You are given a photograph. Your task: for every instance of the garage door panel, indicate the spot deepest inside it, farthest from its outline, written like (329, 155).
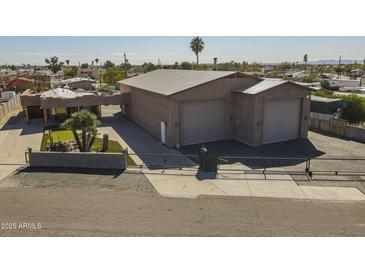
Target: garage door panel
(281, 120)
(203, 121)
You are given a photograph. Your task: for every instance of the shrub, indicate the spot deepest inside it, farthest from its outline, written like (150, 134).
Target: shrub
(354, 106)
(354, 111)
(325, 84)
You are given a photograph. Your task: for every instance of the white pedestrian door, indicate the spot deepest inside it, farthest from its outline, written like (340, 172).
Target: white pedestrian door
(163, 132)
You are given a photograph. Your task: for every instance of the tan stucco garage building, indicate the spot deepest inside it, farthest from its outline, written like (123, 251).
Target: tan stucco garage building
(188, 107)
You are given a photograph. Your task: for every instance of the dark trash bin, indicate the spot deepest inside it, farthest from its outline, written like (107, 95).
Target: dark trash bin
(207, 163)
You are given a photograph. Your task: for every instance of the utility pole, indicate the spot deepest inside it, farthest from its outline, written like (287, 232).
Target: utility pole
(339, 68)
(125, 63)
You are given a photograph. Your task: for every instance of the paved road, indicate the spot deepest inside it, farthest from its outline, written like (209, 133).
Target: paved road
(15, 137)
(117, 211)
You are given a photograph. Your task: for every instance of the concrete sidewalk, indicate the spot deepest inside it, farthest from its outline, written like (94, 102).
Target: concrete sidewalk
(185, 184)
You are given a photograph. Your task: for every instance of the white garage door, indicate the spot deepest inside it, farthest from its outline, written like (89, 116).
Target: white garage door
(281, 120)
(202, 121)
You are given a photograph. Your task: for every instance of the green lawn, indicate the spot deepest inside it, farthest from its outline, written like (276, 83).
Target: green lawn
(67, 135)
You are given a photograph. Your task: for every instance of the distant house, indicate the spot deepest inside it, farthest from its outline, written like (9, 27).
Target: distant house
(314, 85)
(356, 73)
(297, 74)
(20, 84)
(78, 83)
(182, 107)
(6, 76)
(345, 83)
(54, 78)
(92, 72)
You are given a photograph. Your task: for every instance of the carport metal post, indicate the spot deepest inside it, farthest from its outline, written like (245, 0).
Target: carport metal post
(45, 116)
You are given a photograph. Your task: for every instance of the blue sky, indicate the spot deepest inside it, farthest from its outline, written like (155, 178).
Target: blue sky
(33, 50)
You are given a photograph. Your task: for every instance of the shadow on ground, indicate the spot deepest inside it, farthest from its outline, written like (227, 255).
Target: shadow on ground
(149, 149)
(78, 178)
(18, 122)
(228, 152)
(114, 172)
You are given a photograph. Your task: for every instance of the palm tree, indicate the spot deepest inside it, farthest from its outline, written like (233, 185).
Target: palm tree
(87, 122)
(197, 46)
(67, 62)
(96, 61)
(305, 59)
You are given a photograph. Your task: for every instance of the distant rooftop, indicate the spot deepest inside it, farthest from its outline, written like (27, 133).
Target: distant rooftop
(63, 93)
(324, 99)
(75, 80)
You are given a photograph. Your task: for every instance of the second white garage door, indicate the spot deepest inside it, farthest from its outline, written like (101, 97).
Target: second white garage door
(202, 121)
(281, 120)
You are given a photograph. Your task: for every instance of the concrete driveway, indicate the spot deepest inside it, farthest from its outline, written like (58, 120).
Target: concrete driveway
(139, 142)
(317, 146)
(15, 137)
(187, 183)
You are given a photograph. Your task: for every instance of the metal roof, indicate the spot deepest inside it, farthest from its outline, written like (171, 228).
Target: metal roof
(268, 83)
(324, 99)
(262, 86)
(168, 81)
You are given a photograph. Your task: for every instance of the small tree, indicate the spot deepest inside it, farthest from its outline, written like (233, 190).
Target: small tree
(67, 62)
(87, 122)
(113, 75)
(53, 64)
(97, 61)
(108, 64)
(147, 67)
(186, 65)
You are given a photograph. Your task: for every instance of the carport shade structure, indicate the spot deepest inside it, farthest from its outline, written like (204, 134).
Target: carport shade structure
(182, 107)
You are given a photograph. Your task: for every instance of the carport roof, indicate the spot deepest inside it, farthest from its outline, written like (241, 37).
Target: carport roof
(167, 81)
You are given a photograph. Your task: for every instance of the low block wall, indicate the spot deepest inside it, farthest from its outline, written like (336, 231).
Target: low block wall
(8, 106)
(356, 133)
(352, 132)
(94, 160)
(319, 124)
